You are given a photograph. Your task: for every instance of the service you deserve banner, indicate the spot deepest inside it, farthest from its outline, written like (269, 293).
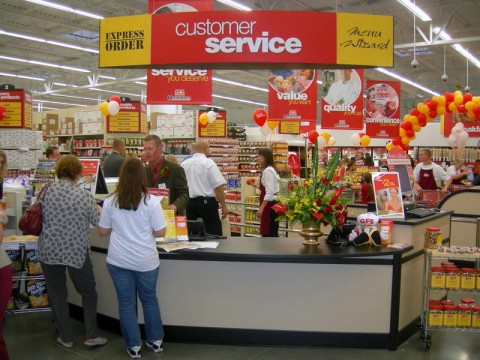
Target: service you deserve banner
(342, 101)
(248, 39)
(382, 109)
(179, 86)
(292, 95)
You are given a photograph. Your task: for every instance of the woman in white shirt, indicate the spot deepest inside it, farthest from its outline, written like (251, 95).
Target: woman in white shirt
(133, 219)
(269, 188)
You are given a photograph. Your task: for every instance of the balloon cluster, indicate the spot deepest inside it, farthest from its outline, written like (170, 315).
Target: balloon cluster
(324, 138)
(425, 112)
(458, 137)
(207, 118)
(3, 112)
(110, 107)
(260, 117)
(360, 139)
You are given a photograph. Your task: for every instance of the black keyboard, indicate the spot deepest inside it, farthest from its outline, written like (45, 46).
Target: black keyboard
(421, 212)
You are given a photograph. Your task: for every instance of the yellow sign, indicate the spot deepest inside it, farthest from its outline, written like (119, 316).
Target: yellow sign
(289, 127)
(124, 122)
(364, 40)
(216, 129)
(125, 41)
(14, 115)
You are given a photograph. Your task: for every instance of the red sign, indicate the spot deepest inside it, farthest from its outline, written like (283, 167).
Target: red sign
(188, 86)
(472, 126)
(243, 38)
(342, 101)
(292, 95)
(382, 109)
(130, 119)
(18, 104)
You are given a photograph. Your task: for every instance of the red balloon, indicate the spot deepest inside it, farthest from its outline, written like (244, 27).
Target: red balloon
(405, 146)
(408, 125)
(312, 136)
(116, 98)
(476, 110)
(422, 122)
(414, 112)
(409, 133)
(433, 114)
(396, 141)
(466, 98)
(361, 135)
(432, 105)
(421, 118)
(461, 109)
(448, 97)
(260, 117)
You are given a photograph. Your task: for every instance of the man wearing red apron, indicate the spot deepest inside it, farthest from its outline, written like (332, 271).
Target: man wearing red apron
(427, 173)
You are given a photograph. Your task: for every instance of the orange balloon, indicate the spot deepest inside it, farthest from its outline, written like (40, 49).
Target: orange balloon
(405, 140)
(203, 119)
(365, 140)
(441, 110)
(452, 106)
(389, 146)
(272, 124)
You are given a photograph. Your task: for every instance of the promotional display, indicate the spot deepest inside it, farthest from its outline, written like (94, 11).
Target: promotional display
(212, 126)
(471, 125)
(179, 86)
(342, 101)
(90, 170)
(292, 95)
(388, 195)
(17, 105)
(382, 109)
(132, 118)
(265, 39)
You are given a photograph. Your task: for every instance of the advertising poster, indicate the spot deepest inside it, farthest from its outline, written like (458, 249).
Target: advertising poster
(342, 100)
(472, 126)
(292, 95)
(179, 86)
(88, 181)
(388, 195)
(382, 109)
(130, 119)
(19, 108)
(218, 128)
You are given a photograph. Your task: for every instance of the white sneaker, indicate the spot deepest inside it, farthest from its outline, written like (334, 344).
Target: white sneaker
(134, 352)
(155, 346)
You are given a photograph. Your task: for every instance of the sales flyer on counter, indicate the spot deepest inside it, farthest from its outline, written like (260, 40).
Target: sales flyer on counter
(388, 195)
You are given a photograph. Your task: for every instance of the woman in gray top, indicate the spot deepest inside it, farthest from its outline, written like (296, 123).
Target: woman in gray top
(68, 212)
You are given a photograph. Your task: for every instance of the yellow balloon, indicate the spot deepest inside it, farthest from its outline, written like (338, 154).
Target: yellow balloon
(441, 110)
(424, 109)
(469, 105)
(458, 99)
(452, 106)
(326, 136)
(458, 92)
(365, 140)
(272, 124)
(406, 117)
(417, 127)
(476, 100)
(470, 114)
(405, 140)
(389, 146)
(419, 106)
(104, 108)
(414, 120)
(402, 132)
(203, 119)
(441, 100)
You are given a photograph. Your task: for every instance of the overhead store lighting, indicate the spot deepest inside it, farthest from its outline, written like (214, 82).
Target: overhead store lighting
(58, 102)
(239, 100)
(65, 8)
(107, 77)
(235, 5)
(114, 92)
(407, 81)
(21, 76)
(63, 84)
(239, 84)
(45, 41)
(445, 36)
(74, 97)
(422, 15)
(140, 83)
(42, 63)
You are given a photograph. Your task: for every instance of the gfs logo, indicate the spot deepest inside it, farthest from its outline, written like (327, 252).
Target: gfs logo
(367, 219)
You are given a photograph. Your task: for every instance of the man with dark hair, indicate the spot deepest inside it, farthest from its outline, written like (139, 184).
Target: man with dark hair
(113, 162)
(52, 153)
(164, 174)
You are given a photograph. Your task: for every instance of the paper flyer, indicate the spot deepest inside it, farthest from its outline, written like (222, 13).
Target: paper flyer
(162, 195)
(88, 181)
(388, 195)
(171, 233)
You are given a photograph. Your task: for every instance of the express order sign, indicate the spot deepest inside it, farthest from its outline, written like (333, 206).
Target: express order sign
(219, 39)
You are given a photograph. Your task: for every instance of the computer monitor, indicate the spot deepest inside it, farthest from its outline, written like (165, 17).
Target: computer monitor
(405, 182)
(101, 187)
(196, 230)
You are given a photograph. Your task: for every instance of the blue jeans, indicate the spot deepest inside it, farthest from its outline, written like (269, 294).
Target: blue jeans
(127, 284)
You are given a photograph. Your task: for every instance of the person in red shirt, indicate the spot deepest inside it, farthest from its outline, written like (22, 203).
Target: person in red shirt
(367, 194)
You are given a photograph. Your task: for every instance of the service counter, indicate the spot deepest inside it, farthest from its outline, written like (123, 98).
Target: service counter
(276, 291)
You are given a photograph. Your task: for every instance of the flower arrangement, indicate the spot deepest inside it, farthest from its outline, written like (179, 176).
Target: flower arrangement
(317, 199)
(163, 173)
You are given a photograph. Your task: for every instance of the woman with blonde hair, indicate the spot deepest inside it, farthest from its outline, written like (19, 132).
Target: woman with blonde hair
(133, 219)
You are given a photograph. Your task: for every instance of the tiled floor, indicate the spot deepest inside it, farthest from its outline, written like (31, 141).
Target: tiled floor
(32, 336)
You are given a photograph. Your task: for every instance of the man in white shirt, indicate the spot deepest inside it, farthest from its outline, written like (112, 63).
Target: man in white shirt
(345, 91)
(458, 173)
(205, 186)
(427, 173)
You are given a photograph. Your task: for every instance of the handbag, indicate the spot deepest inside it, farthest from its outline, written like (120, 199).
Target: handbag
(31, 221)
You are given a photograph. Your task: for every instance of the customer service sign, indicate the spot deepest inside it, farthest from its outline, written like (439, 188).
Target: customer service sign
(253, 39)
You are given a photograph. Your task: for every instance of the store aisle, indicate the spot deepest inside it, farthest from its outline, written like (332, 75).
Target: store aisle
(31, 336)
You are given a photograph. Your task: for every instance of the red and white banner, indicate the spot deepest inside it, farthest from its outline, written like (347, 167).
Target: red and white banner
(382, 109)
(292, 95)
(472, 126)
(342, 101)
(176, 87)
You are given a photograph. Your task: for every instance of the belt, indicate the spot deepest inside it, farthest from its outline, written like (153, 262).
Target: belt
(203, 197)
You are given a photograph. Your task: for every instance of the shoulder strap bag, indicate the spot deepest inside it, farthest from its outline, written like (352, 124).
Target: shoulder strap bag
(31, 221)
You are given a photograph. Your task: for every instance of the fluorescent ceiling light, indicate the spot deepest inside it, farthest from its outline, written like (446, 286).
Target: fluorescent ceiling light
(21, 76)
(63, 84)
(114, 92)
(107, 77)
(238, 100)
(140, 82)
(235, 5)
(66, 8)
(40, 40)
(46, 108)
(73, 97)
(407, 81)
(42, 63)
(415, 9)
(239, 84)
(458, 47)
(58, 102)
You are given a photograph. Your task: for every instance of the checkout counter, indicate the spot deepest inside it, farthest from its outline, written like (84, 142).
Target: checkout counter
(276, 291)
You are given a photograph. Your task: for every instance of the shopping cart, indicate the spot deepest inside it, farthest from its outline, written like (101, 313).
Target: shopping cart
(457, 187)
(430, 198)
